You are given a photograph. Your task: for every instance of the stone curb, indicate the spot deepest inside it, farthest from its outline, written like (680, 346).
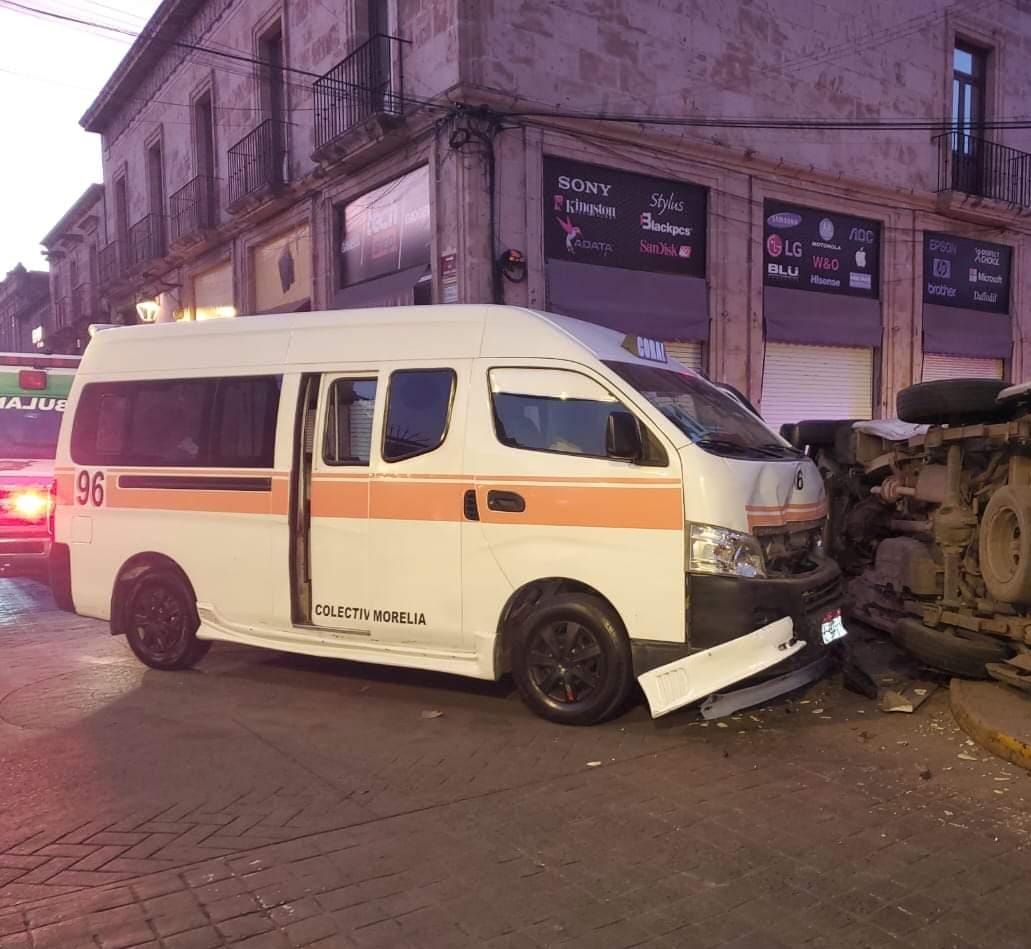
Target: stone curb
(994, 716)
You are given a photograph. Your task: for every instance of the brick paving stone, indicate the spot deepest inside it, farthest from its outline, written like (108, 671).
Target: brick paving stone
(204, 937)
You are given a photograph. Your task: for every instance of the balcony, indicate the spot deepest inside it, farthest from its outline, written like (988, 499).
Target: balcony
(256, 164)
(983, 169)
(112, 263)
(191, 210)
(147, 240)
(369, 82)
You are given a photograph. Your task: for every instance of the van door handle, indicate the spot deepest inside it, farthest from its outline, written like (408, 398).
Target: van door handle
(507, 502)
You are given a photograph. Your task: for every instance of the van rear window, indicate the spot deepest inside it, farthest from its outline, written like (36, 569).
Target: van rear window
(178, 423)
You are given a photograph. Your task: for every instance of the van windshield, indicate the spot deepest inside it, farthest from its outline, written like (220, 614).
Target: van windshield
(28, 433)
(713, 419)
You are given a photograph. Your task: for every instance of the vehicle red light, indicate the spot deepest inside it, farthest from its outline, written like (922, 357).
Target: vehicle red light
(51, 517)
(32, 379)
(32, 503)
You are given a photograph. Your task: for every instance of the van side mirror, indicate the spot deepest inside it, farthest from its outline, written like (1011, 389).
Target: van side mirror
(623, 438)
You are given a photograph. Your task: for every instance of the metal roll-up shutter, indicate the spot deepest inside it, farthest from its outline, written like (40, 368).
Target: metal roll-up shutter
(816, 382)
(940, 366)
(690, 354)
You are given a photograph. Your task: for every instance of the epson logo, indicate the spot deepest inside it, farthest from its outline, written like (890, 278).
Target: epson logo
(939, 246)
(784, 219)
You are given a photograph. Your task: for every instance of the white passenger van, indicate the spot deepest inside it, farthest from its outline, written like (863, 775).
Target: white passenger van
(469, 489)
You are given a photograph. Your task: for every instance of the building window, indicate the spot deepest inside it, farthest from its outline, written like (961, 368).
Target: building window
(121, 212)
(273, 93)
(969, 68)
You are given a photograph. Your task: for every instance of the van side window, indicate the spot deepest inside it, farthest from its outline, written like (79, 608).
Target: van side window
(168, 422)
(559, 410)
(551, 410)
(178, 423)
(418, 412)
(350, 406)
(245, 422)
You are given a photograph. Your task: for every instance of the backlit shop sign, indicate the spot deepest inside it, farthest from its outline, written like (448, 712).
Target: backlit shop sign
(598, 215)
(809, 249)
(971, 274)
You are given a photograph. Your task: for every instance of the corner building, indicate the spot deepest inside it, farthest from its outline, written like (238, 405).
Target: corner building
(396, 152)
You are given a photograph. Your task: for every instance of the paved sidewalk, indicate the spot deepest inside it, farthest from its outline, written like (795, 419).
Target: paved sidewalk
(272, 801)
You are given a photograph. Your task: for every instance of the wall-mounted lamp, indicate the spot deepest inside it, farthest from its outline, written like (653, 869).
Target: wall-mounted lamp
(512, 264)
(147, 310)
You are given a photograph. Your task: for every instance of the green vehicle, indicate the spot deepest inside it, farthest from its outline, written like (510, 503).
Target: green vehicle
(33, 391)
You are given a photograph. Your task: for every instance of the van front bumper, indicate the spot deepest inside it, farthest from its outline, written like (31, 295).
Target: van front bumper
(739, 629)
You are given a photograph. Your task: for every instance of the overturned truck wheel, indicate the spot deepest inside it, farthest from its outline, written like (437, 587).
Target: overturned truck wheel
(952, 402)
(1004, 545)
(955, 651)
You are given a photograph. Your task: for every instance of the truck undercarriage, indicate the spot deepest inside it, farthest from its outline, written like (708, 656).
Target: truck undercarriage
(930, 519)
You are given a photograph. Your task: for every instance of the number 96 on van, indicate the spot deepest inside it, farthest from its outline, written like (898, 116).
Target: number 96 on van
(89, 488)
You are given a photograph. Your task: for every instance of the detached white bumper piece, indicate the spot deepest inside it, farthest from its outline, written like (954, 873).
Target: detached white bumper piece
(694, 677)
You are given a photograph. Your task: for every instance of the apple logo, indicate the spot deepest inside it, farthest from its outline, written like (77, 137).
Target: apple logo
(860, 257)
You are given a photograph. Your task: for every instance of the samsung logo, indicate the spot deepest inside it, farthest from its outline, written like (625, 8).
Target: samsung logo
(784, 219)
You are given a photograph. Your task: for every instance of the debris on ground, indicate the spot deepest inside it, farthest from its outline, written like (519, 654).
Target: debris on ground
(431, 713)
(875, 667)
(593, 764)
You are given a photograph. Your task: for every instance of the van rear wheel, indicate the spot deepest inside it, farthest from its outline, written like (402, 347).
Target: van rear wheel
(571, 660)
(162, 622)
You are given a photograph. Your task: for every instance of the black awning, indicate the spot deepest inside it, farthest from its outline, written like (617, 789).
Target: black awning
(953, 331)
(656, 305)
(383, 291)
(821, 319)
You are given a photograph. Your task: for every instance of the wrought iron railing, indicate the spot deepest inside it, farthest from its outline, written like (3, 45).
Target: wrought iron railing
(112, 262)
(147, 239)
(368, 82)
(986, 169)
(256, 161)
(191, 210)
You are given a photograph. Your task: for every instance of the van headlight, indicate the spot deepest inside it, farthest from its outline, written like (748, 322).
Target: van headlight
(716, 550)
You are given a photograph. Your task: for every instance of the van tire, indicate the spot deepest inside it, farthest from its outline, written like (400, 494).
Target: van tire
(571, 660)
(161, 621)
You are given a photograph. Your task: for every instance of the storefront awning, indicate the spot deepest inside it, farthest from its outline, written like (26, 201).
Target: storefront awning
(821, 319)
(955, 331)
(392, 289)
(657, 305)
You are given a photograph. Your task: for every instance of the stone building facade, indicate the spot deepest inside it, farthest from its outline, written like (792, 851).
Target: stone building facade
(73, 249)
(24, 310)
(816, 201)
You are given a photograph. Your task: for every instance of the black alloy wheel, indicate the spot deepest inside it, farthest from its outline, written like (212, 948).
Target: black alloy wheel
(162, 622)
(571, 660)
(566, 662)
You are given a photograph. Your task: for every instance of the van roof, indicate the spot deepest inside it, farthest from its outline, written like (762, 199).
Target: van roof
(350, 336)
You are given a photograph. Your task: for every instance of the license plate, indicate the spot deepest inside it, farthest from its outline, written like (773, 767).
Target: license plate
(831, 627)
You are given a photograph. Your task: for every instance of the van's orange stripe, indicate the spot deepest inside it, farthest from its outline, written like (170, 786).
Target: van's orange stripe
(339, 498)
(276, 501)
(416, 502)
(570, 506)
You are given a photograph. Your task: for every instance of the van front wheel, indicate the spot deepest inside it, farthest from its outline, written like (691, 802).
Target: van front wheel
(571, 660)
(161, 622)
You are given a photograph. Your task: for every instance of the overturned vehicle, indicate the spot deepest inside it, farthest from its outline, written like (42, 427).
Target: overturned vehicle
(930, 518)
